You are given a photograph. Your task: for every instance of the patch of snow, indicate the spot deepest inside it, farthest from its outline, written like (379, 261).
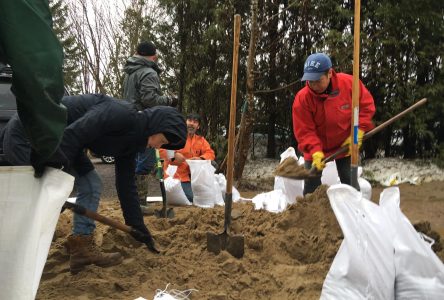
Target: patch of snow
(391, 171)
(382, 170)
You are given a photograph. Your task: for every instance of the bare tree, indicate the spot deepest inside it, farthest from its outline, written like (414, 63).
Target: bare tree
(247, 118)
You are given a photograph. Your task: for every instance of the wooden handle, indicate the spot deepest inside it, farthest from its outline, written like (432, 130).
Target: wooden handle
(355, 86)
(95, 216)
(232, 128)
(378, 128)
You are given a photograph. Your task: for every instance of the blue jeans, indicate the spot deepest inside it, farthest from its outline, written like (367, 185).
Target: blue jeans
(89, 188)
(186, 187)
(145, 161)
(344, 172)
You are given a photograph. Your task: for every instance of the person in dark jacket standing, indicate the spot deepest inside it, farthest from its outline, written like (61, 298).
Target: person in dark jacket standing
(111, 127)
(322, 112)
(142, 87)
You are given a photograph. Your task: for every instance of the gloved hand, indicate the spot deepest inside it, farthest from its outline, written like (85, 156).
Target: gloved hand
(317, 160)
(174, 101)
(144, 237)
(58, 161)
(348, 141)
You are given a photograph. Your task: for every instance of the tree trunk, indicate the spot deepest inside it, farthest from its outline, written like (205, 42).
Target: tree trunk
(246, 123)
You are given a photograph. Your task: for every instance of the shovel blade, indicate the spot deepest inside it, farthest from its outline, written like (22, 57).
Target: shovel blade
(213, 243)
(160, 213)
(235, 245)
(232, 244)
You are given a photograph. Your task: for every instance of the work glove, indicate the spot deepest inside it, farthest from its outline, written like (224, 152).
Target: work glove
(348, 141)
(318, 160)
(58, 161)
(174, 101)
(144, 236)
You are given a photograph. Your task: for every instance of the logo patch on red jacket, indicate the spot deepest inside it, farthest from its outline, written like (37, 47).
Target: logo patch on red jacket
(345, 106)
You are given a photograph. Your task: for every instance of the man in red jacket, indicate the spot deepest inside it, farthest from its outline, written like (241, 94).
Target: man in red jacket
(322, 113)
(196, 147)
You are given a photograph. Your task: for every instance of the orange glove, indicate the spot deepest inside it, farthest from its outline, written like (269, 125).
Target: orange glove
(317, 160)
(348, 143)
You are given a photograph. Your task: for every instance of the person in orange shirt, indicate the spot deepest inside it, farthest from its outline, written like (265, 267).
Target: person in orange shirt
(196, 147)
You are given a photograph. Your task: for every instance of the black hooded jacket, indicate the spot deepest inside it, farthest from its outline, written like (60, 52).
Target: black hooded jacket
(114, 127)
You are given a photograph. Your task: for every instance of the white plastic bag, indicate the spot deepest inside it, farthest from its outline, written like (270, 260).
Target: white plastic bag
(419, 272)
(174, 192)
(222, 183)
(203, 183)
(366, 188)
(274, 201)
(330, 174)
(364, 265)
(291, 188)
(29, 210)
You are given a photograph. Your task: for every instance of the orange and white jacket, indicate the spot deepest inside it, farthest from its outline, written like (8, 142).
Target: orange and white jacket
(196, 146)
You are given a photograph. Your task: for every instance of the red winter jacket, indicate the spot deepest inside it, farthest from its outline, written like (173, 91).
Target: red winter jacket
(323, 122)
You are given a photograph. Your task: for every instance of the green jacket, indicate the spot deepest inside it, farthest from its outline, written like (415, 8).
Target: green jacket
(30, 47)
(142, 85)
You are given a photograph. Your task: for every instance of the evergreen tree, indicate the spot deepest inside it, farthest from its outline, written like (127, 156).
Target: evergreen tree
(61, 27)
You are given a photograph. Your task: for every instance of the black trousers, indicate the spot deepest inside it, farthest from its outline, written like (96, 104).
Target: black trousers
(344, 171)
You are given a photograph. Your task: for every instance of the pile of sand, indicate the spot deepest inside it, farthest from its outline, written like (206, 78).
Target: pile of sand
(287, 255)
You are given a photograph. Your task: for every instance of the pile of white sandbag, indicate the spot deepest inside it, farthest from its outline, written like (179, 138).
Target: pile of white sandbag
(286, 190)
(381, 256)
(208, 188)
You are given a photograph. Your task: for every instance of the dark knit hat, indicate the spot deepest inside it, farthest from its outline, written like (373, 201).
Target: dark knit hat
(146, 49)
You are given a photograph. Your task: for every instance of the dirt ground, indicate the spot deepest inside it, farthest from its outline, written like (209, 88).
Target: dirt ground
(287, 255)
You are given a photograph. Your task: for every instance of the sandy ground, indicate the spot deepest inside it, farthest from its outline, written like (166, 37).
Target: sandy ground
(287, 255)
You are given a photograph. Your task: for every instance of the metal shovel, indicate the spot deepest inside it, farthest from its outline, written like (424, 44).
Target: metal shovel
(217, 242)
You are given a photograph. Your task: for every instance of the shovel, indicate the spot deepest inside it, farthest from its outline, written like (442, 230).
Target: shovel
(164, 212)
(145, 238)
(290, 168)
(217, 242)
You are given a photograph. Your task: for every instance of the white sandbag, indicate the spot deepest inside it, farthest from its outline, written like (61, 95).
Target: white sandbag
(364, 265)
(274, 201)
(291, 188)
(173, 188)
(171, 170)
(203, 183)
(174, 192)
(330, 174)
(29, 210)
(419, 272)
(366, 188)
(222, 183)
(219, 200)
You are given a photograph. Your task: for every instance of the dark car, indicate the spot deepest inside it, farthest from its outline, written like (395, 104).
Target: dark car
(8, 106)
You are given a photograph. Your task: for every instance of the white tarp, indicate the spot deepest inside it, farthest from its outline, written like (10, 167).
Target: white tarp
(29, 210)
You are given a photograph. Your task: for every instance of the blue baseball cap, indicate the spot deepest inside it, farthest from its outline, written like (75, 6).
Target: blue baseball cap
(316, 65)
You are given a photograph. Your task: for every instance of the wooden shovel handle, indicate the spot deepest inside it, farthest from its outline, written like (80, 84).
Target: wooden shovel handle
(232, 125)
(375, 130)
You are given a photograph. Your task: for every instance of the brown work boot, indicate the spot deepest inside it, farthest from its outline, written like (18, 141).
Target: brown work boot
(83, 252)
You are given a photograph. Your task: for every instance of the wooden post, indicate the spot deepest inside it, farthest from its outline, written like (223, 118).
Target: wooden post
(355, 97)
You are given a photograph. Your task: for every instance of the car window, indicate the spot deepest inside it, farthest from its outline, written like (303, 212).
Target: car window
(7, 99)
